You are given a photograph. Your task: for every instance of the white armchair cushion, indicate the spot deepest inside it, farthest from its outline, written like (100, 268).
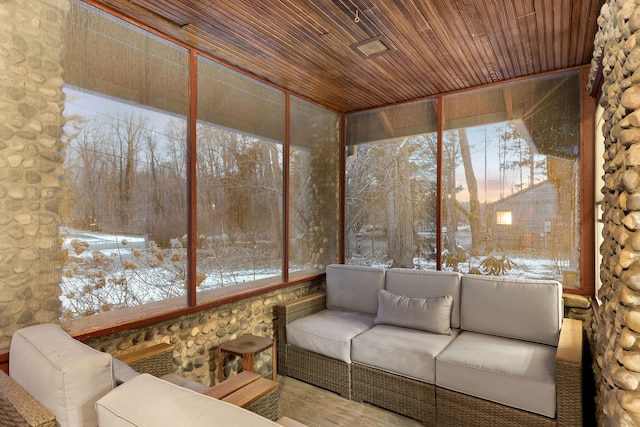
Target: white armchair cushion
(147, 401)
(426, 314)
(354, 288)
(64, 375)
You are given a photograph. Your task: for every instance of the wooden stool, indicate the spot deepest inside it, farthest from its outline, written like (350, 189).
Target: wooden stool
(246, 346)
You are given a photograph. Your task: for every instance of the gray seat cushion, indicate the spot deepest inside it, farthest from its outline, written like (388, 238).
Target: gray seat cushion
(329, 332)
(185, 382)
(511, 372)
(122, 372)
(407, 352)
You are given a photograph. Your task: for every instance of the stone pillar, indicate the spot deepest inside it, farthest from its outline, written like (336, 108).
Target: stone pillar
(31, 104)
(324, 167)
(617, 330)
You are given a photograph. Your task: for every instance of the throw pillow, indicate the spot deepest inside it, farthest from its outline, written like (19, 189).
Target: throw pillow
(426, 314)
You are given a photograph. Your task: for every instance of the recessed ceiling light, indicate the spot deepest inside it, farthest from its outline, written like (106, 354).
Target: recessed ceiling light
(373, 47)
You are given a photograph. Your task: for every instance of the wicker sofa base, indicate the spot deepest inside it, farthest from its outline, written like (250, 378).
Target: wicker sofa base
(319, 370)
(156, 360)
(457, 409)
(406, 396)
(267, 405)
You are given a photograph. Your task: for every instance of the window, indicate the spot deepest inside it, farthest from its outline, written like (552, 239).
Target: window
(239, 155)
(510, 173)
(508, 169)
(391, 186)
(122, 204)
(503, 217)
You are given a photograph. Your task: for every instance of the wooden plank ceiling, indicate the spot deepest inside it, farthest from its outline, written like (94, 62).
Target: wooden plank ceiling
(438, 46)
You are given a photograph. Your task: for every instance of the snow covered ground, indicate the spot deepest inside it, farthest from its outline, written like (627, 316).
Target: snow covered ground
(103, 272)
(108, 244)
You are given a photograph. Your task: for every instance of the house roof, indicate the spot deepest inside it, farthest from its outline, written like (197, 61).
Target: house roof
(525, 194)
(438, 46)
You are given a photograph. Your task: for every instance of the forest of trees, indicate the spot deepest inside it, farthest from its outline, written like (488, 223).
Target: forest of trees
(124, 176)
(391, 197)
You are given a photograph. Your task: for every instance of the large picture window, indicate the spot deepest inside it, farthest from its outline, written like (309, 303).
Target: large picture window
(510, 174)
(239, 152)
(122, 204)
(391, 186)
(508, 163)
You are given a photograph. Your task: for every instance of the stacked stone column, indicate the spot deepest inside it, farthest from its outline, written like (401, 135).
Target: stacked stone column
(618, 327)
(31, 105)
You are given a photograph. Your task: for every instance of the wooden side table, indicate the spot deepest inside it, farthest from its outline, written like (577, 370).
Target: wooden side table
(246, 346)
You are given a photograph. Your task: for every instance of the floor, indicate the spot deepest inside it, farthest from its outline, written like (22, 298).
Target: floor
(316, 407)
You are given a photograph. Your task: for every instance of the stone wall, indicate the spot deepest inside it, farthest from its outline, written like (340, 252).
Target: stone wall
(31, 104)
(196, 337)
(617, 330)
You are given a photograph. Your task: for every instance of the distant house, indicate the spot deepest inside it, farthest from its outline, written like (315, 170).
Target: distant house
(524, 220)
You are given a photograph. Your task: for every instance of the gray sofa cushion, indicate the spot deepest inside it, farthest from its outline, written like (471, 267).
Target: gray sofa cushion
(147, 401)
(510, 372)
(524, 309)
(426, 314)
(63, 374)
(426, 284)
(328, 332)
(407, 352)
(354, 288)
(122, 372)
(184, 382)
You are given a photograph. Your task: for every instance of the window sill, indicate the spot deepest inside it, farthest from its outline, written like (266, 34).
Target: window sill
(133, 317)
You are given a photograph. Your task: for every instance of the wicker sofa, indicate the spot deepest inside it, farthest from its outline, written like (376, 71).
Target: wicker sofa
(440, 347)
(57, 381)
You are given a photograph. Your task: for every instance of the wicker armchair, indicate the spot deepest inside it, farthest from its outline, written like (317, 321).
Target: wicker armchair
(18, 408)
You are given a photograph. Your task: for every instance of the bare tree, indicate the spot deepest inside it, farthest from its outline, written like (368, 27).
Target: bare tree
(473, 214)
(380, 184)
(520, 157)
(449, 203)
(128, 134)
(400, 243)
